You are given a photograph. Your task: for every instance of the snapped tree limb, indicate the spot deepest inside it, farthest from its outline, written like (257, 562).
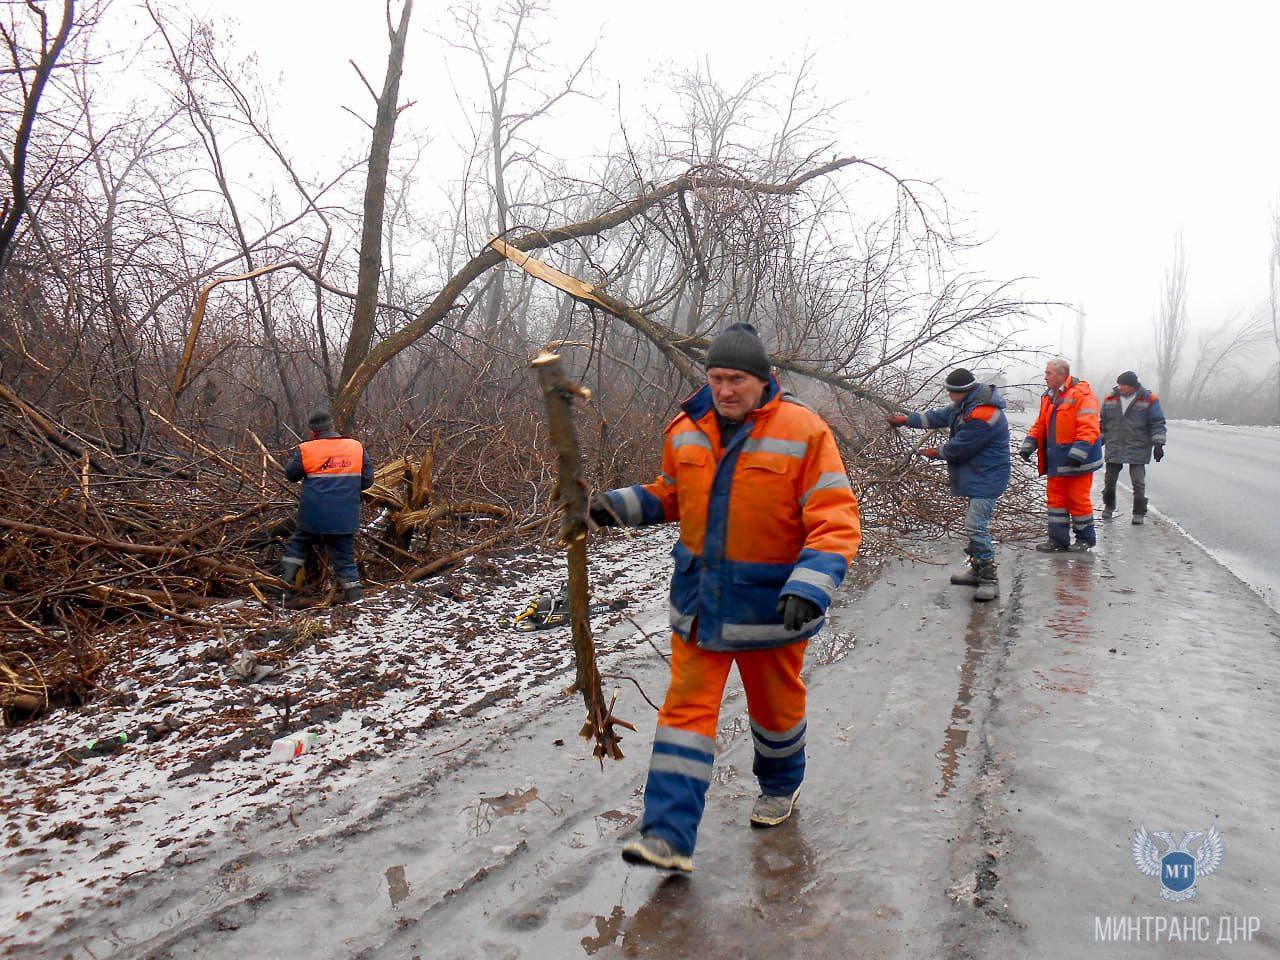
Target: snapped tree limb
(558, 393)
(444, 301)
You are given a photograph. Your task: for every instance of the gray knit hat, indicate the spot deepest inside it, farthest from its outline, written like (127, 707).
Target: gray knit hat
(320, 420)
(1127, 379)
(738, 347)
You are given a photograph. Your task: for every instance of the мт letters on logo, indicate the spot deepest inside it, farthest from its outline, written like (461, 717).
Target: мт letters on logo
(1178, 868)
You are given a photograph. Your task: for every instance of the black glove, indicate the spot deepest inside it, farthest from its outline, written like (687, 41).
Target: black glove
(1027, 449)
(797, 611)
(1075, 459)
(601, 515)
(1158, 452)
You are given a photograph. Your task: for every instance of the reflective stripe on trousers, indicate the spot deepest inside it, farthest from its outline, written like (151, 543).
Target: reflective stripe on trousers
(684, 744)
(1069, 508)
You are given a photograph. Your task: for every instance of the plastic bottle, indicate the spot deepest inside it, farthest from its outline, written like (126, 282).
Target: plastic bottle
(292, 746)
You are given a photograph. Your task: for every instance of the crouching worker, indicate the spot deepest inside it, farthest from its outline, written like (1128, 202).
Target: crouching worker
(333, 470)
(977, 457)
(768, 527)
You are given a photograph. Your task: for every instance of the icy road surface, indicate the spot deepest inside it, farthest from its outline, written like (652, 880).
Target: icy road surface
(976, 774)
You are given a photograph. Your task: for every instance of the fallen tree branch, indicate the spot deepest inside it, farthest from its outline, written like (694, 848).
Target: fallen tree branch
(141, 549)
(571, 494)
(440, 305)
(448, 560)
(53, 432)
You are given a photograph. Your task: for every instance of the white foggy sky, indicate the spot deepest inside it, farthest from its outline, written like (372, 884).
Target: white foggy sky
(1079, 137)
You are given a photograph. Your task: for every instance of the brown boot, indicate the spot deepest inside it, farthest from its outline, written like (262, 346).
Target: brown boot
(988, 586)
(968, 577)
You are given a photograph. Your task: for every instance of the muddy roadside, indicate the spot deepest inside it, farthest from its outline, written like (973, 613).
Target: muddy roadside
(975, 775)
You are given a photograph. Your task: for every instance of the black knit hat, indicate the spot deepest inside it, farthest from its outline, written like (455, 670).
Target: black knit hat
(1127, 379)
(960, 380)
(738, 347)
(320, 420)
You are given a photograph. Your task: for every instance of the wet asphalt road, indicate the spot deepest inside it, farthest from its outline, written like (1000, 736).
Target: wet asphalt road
(975, 775)
(1220, 487)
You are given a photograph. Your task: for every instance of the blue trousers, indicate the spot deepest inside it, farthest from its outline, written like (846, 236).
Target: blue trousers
(340, 546)
(977, 525)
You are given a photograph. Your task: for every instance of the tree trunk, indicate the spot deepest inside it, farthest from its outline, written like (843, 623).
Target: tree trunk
(16, 206)
(375, 199)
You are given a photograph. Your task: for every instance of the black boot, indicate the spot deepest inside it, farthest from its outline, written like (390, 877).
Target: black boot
(351, 593)
(1109, 494)
(1139, 510)
(289, 570)
(988, 586)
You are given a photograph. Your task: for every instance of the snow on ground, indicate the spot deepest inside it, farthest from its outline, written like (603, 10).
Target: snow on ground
(1259, 431)
(410, 661)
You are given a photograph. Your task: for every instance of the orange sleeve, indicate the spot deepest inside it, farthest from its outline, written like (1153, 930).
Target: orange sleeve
(829, 509)
(1088, 421)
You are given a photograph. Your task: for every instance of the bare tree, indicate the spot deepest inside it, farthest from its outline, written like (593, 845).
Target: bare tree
(375, 197)
(1170, 324)
(514, 98)
(190, 64)
(1216, 349)
(32, 69)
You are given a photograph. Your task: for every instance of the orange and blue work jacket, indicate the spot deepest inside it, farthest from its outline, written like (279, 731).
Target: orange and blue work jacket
(333, 471)
(1068, 425)
(768, 514)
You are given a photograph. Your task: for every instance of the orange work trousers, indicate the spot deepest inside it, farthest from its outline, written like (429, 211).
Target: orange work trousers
(1071, 509)
(684, 744)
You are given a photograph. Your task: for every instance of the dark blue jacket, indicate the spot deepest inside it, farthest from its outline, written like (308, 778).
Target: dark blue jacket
(1129, 435)
(333, 471)
(977, 454)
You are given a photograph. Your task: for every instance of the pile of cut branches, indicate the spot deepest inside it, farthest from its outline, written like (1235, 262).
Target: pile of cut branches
(96, 547)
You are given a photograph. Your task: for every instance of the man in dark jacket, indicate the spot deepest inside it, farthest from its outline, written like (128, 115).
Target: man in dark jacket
(977, 457)
(333, 470)
(1133, 431)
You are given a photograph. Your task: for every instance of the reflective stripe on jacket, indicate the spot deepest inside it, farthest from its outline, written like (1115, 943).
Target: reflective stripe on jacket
(333, 471)
(769, 515)
(977, 454)
(1068, 422)
(1128, 435)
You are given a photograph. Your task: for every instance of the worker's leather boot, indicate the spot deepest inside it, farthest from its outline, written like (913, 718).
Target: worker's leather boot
(988, 586)
(968, 577)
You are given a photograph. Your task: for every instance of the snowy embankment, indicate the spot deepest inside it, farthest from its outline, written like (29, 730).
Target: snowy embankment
(409, 662)
(1256, 431)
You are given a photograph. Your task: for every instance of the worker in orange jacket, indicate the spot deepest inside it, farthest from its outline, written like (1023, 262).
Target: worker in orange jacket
(1066, 439)
(768, 526)
(333, 470)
